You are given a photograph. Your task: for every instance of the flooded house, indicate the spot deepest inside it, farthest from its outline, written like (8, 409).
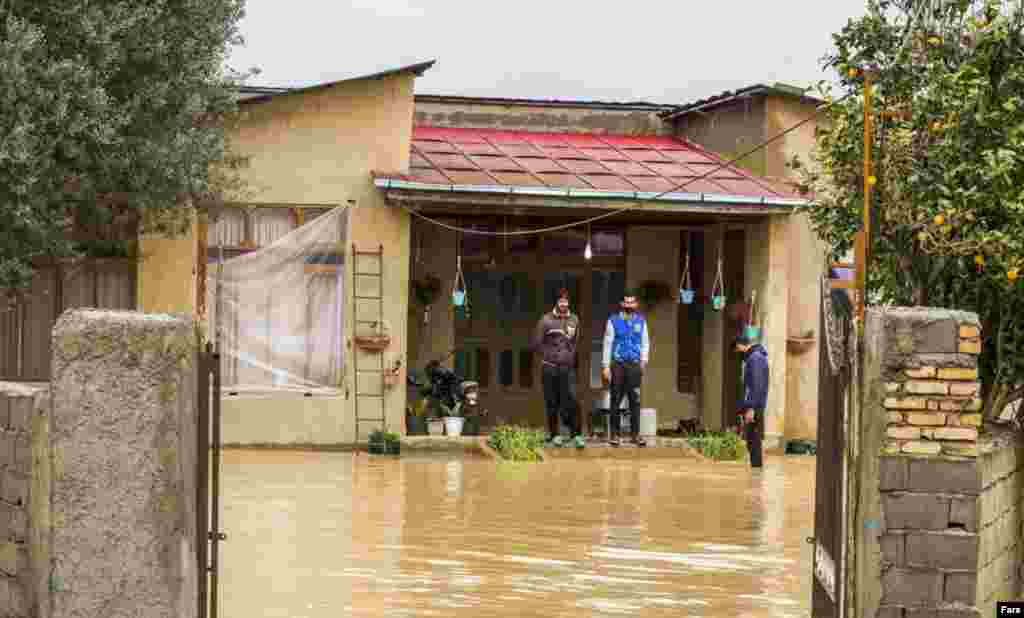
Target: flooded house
(417, 174)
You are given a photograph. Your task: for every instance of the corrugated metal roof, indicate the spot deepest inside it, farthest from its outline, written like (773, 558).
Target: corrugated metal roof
(491, 158)
(254, 94)
(521, 102)
(731, 95)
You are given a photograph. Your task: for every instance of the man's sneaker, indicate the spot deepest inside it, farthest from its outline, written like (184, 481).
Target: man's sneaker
(580, 442)
(640, 442)
(557, 442)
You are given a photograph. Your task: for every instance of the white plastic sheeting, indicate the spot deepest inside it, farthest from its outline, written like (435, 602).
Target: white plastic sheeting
(277, 314)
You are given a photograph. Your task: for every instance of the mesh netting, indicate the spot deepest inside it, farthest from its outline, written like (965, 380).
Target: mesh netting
(276, 313)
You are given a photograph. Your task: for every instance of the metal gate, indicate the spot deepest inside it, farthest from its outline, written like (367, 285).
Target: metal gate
(834, 392)
(208, 480)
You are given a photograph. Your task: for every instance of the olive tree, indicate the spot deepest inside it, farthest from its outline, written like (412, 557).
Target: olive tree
(109, 106)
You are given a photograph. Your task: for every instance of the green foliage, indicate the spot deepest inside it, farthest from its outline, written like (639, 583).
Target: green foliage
(948, 149)
(108, 106)
(427, 290)
(721, 446)
(652, 293)
(517, 443)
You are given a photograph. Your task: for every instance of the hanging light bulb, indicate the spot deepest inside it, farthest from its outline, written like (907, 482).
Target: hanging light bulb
(587, 253)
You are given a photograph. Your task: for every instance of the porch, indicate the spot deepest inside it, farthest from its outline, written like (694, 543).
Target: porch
(513, 274)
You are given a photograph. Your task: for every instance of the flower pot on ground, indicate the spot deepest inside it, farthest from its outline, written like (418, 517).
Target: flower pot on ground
(453, 425)
(415, 425)
(392, 443)
(377, 444)
(435, 427)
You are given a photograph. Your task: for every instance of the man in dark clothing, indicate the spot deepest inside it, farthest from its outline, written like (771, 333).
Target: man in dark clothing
(555, 339)
(755, 395)
(624, 357)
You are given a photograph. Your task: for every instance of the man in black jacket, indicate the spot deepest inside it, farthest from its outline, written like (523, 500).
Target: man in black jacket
(755, 395)
(555, 338)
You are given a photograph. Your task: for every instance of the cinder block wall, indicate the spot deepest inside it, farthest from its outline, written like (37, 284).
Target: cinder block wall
(24, 499)
(950, 487)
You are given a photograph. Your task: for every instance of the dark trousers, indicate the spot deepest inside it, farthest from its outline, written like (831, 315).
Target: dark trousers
(626, 381)
(560, 398)
(753, 433)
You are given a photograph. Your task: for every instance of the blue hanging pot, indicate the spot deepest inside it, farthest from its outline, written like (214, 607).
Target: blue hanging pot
(459, 298)
(686, 296)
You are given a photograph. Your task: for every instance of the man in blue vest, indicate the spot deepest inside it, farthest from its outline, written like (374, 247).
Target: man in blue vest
(755, 395)
(627, 346)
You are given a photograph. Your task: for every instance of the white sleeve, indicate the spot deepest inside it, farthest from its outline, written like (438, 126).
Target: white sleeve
(606, 349)
(645, 345)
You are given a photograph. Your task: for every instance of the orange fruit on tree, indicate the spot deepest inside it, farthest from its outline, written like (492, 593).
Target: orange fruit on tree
(979, 260)
(1012, 274)
(939, 219)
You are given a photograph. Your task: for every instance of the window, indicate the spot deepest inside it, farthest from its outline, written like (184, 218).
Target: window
(690, 349)
(566, 243)
(476, 247)
(608, 243)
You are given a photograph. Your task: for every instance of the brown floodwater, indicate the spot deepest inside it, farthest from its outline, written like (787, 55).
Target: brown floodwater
(314, 535)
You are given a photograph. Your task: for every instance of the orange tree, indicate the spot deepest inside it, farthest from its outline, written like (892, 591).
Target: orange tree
(948, 185)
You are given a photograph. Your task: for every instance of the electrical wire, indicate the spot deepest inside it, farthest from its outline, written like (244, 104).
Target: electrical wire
(637, 203)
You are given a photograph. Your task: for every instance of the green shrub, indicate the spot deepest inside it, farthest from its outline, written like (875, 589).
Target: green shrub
(719, 445)
(517, 443)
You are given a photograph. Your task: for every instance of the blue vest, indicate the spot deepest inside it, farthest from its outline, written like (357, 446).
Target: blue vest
(629, 337)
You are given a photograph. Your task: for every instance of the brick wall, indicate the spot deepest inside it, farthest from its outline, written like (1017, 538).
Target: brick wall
(950, 486)
(20, 514)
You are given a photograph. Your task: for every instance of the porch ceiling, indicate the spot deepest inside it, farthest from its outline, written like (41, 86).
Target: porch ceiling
(577, 170)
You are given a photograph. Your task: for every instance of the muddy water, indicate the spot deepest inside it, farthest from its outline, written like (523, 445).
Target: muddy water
(327, 535)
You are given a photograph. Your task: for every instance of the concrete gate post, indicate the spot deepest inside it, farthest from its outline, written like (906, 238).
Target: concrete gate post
(124, 465)
(937, 530)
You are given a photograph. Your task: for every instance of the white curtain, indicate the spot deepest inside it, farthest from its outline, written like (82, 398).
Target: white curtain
(229, 230)
(277, 313)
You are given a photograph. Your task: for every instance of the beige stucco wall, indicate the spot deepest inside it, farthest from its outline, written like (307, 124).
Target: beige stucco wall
(806, 263)
(521, 117)
(646, 251)
(730, 131)
(767, 273)
(316, 148)
(167, 273)
(321, 147)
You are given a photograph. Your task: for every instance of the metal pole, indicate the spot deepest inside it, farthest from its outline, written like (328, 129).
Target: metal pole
(869, 182)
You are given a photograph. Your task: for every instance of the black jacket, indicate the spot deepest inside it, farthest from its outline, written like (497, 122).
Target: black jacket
(755, 378)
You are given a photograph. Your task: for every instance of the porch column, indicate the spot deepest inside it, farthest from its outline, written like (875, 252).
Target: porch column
(768, 274)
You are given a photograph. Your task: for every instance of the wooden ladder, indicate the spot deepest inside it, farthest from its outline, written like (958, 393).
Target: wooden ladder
(368, 314)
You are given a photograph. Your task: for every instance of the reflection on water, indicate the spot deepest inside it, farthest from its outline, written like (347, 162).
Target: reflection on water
(324, 535)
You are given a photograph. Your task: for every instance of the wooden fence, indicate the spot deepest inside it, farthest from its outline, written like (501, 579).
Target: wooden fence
(25, 329)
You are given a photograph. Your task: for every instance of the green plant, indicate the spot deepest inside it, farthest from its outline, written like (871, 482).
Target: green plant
(455, 410)
(517, 443)
(377, 436)
(652, 293)
(719, 445)
(427, 290)
(391, 436)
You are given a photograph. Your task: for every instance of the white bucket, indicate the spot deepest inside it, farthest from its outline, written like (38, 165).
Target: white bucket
(648, 422)
(435, 427)
(453, 425)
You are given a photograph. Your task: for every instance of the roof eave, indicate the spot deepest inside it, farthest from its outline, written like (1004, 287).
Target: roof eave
(752, 205)
(416, 69)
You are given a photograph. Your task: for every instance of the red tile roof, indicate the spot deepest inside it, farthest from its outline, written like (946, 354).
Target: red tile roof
(490, 157)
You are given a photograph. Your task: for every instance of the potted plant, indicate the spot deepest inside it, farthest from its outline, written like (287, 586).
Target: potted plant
(416, 413)
(392, 443)
(652, 293)
(453, 419)
(377, 443)
(426, 292)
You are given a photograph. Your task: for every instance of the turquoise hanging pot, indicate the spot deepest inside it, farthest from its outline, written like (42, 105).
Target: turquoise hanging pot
(717, 302)
(459, 298)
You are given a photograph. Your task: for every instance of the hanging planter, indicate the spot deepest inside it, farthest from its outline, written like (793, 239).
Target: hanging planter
(652, 293)
(374, 342)
(718, 291)
(459, 285)
(686, 291)
(426, 293)
(751, 331)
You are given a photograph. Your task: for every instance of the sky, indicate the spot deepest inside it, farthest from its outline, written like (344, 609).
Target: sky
(667, 51)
